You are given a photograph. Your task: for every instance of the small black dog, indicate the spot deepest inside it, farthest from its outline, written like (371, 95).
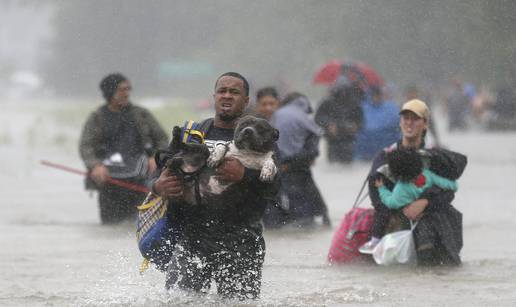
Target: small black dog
(186, 161)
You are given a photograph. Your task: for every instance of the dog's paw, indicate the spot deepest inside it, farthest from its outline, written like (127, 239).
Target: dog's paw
(216, 156)
(212, 161)
(269, 171)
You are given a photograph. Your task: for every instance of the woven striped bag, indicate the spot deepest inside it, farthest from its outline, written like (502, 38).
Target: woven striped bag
(154, 232)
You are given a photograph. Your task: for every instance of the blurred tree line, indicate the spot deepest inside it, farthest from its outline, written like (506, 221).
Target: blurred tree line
(276, 41)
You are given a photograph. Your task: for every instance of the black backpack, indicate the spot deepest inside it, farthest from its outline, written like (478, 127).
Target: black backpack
(447, 163)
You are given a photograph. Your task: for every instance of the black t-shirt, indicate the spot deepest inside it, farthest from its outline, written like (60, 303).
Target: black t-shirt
(217, 136)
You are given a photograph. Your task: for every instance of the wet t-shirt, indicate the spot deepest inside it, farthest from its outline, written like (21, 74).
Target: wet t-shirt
(217, 136)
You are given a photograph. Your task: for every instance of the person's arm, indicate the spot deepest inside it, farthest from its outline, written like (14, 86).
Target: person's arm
(304, 159)
(441, 182)
(374, 195)
(157, 134)
(88, 142)
(415, 209)
(398, 198)
(433, 199)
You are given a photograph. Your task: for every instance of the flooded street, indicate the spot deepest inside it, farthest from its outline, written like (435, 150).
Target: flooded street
(56, 253)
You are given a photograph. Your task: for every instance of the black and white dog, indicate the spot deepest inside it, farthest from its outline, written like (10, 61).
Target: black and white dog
(253, 145)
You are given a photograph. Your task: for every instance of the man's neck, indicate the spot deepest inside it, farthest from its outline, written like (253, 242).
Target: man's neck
(217, 122)
(114, 108)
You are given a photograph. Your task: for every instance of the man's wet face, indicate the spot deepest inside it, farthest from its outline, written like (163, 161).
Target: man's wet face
(230, 98)
(121, 97)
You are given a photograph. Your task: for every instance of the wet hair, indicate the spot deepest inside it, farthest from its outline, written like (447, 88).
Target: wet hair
(405, 164)
(267, 91)
(109, 84)
(236, 75)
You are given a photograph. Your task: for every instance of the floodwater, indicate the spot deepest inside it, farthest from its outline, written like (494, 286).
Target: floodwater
(55, 253)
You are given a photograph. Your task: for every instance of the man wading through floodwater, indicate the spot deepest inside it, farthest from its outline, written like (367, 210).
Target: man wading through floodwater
(221, 241)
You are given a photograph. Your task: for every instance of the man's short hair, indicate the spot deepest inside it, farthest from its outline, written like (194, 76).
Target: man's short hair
(236, 75)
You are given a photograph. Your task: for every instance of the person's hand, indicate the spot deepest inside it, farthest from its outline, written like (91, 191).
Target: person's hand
(151, 165)
(231, 170)
(415, 209)
(378, 183)
(168, 185)
(99, 174)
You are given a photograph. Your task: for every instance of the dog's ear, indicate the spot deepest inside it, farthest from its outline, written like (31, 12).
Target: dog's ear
(175, 144)
(275, 135)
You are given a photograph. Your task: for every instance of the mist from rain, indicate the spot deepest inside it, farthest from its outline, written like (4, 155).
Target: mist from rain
(53, 55)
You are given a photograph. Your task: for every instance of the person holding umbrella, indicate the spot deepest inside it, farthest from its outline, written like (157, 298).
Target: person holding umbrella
(341, 117)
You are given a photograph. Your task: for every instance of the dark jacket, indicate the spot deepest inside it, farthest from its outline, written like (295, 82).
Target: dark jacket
(342, 108)
(95, 140)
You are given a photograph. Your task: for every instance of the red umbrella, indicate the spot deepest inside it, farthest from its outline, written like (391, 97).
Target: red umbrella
(328, 73)
(359, 72)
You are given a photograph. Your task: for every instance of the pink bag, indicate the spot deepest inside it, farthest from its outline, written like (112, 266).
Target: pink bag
(353, 232)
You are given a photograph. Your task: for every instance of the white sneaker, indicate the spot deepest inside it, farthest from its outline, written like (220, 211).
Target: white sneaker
(368, 247)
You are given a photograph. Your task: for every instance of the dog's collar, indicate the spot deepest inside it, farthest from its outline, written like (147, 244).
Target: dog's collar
(190, 176)
(193, 177)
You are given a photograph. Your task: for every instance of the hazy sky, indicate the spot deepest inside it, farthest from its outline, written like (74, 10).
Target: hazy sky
(179, 47)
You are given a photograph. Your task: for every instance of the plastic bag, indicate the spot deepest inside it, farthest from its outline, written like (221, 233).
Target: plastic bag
(396, 248)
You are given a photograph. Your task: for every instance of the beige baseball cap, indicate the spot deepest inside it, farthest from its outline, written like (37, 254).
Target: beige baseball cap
(417, 107)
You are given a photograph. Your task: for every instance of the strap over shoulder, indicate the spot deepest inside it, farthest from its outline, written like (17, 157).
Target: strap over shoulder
(192, 133)
(206, 125)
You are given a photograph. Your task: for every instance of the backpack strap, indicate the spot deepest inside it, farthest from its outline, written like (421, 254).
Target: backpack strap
(359, 199)
(191, 133)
